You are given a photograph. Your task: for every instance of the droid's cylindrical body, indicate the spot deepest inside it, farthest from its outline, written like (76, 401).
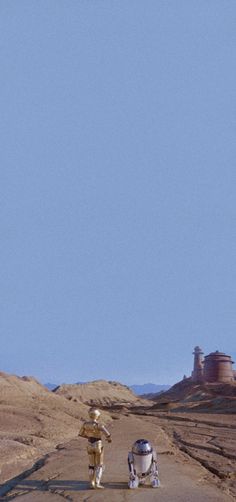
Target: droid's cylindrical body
(142, 463)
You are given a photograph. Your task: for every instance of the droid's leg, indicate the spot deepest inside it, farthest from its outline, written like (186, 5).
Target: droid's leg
(133, 478)
(155, 482)
(99, 465)
(92, 476)
(154, 477)
(91, 469)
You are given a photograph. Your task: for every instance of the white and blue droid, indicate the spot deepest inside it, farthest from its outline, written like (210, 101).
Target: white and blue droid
(142, 461)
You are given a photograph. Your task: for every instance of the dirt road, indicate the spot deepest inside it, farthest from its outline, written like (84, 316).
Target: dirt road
(63, 473)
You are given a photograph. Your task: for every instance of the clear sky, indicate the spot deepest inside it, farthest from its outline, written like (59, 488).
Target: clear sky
(118, 187)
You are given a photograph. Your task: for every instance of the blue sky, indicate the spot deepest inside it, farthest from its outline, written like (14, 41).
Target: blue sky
(117, 178)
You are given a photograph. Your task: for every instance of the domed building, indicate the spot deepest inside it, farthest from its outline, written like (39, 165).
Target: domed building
(216, 367)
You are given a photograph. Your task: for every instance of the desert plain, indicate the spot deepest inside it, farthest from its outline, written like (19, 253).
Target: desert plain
(42, 457)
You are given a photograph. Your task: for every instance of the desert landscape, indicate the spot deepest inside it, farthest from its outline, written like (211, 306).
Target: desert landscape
(117, 251)
(192, 426)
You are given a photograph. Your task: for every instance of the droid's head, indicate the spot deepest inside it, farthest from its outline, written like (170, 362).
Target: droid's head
(142, 447)
(94, 413)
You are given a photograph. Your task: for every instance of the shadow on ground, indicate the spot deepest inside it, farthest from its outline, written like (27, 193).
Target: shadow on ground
(67, 485)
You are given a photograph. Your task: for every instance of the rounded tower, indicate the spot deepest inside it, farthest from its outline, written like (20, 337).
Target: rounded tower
(197, 373)
(218, 367)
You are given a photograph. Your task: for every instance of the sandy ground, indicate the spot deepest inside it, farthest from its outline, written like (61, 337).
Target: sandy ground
(63, 473)
(209, 438)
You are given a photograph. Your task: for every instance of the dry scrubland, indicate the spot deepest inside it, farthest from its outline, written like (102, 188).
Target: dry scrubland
(193, 427)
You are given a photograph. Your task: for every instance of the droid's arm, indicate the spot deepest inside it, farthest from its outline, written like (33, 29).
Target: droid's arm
(106, 433)
(82, 432)
(154, 462)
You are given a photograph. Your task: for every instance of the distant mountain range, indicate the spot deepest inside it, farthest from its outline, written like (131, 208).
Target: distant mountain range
(148, 388)
(50, 386)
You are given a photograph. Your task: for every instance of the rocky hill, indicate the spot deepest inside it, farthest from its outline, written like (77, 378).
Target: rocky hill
(198, 397)
(99, 393)
(33, 421)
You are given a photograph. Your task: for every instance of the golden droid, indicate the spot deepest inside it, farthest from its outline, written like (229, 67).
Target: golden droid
(93, 431)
